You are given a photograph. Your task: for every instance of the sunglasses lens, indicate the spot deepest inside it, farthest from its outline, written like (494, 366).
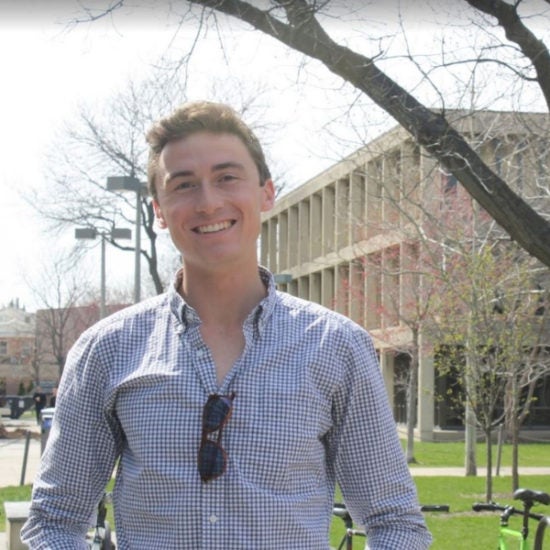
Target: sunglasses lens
(215, 413)
(211, 460)
(212, 457)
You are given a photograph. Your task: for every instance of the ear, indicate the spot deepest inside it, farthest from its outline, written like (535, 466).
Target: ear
(268, 195)
(159, 215)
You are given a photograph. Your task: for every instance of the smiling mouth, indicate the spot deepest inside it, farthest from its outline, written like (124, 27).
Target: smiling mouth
(213, 228)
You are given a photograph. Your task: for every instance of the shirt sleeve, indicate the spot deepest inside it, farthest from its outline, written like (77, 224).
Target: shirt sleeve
(369, 462)
(83, 445)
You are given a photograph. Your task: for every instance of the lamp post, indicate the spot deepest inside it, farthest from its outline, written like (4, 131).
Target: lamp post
(92, 233)
(130, 183)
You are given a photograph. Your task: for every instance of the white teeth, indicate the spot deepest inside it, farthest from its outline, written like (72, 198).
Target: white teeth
(214, 227)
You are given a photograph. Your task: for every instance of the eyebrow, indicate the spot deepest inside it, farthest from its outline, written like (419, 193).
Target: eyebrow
(215, 168)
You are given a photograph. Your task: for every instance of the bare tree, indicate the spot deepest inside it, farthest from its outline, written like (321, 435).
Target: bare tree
(109, 141)
(101, 143)
(440, 265)
(526, 310)
(491, 346)
(297, 24)
(59, 290)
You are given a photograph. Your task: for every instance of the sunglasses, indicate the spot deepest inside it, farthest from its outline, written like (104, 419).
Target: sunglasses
(212, 460)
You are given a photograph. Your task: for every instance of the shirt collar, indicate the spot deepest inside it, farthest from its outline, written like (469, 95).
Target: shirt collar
(186, 317)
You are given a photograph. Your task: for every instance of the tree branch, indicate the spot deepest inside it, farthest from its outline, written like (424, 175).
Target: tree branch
(429, 129)
(534, 49)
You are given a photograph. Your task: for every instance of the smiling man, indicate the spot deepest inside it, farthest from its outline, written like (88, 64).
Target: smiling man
(231, 409)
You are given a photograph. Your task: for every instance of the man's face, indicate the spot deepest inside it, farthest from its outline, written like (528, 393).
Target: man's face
(209, 197)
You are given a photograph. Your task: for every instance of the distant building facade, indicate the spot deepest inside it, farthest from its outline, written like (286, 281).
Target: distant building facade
(57, 329)
(17, 337)
(34, 346)
(329, 232)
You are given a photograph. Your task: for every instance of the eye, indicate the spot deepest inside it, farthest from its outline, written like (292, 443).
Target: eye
(184, 186)
(227, 178)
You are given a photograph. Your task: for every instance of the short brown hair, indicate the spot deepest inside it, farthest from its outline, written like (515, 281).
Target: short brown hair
(201, 116)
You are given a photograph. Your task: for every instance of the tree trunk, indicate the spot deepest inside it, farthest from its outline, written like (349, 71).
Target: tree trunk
(489, 478)
(470, 462)
(469, 424)
(411, 408)
(515, 455)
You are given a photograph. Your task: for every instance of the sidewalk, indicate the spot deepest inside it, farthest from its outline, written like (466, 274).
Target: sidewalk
(481, 472)
(12, 453)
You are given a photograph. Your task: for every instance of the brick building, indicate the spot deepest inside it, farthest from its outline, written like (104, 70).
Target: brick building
(34, 346)
(17, 336)
(57, 329)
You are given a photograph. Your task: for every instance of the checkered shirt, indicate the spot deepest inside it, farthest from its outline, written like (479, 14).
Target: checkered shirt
(310, 410)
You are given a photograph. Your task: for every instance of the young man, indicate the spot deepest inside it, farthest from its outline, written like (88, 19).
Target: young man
(231, 408)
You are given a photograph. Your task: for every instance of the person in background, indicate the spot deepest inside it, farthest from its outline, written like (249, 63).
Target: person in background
(40, 400)
(53, 397)
(231, 410)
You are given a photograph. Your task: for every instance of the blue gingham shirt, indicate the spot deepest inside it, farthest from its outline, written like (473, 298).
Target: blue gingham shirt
(310, 410)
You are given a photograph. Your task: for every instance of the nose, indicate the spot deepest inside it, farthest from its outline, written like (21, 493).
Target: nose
(208, 198)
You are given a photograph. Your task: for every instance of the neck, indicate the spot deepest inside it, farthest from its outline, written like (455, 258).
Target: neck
(225, 298)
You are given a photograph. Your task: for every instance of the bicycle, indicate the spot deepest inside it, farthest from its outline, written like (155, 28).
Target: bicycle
(101, 538)
(340, 510)
(506, 533)
(539, 535)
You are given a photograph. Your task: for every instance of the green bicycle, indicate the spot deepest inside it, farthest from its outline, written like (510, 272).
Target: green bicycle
(339, 510)
(508, 535)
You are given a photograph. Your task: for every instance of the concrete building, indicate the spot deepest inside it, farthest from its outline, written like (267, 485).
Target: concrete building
(347, 236)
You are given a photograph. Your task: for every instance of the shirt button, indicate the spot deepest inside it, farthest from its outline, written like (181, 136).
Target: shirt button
(213, 518)
(200, 353)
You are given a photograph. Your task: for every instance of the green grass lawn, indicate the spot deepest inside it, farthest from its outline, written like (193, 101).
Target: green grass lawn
(461, 529)
(9, 494)
(452, 454)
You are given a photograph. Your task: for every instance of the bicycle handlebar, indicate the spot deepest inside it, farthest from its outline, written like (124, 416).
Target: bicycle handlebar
(341, 511)
(510, 510)
(434, 508)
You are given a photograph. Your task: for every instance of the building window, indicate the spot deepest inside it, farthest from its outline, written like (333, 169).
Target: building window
(27, 349)
(3, 347)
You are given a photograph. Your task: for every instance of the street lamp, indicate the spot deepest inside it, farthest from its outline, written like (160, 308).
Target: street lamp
(130, 183)
(92, 233)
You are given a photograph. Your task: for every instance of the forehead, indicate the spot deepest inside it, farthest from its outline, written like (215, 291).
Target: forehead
(202, 150)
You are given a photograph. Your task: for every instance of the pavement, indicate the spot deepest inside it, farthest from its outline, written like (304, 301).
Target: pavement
(14, 470)
(12, 452)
